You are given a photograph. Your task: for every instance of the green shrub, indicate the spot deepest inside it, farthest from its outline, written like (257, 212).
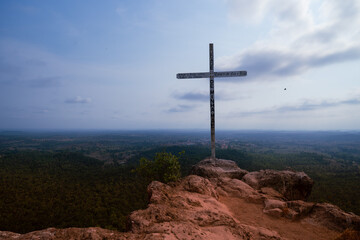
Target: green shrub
(164, 168)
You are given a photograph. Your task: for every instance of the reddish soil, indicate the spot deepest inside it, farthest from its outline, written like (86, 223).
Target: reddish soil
(252, 214)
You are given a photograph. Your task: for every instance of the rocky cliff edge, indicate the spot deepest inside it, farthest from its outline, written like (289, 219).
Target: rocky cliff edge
(222, 201)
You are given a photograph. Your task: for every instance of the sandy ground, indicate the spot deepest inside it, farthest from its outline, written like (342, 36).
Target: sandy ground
(252, 214)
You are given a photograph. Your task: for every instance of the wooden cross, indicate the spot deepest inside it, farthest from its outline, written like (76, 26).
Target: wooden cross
(211, 75)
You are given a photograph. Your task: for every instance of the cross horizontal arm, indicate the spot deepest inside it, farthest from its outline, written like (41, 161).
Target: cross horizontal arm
(231, 74)
(207, 74)
(193, 75)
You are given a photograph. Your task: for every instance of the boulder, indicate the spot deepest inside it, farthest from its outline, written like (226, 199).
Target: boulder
(231, 187)
(273, 203)
(333, 217)
(157, 192)
(349, 234)
(93, 233)
(262, 233)
(271, 192)
(200, 185)
(298, 209)
(189, 210)
(274, 207)
(292, 185)
(210, 168)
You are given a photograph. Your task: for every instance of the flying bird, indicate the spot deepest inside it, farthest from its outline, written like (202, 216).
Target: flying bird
(284, 88)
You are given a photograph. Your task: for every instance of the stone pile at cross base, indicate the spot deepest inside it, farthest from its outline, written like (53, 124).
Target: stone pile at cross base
(222, 201)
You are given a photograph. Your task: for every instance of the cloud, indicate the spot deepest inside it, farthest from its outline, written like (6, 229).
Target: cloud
(192, 96)
(21, 63)
(78, 99)
(181, 108)
(342, 55)
(268, 64)
(253, 12)
(41, 111)
(203, 96)
(304, 106)
(302, 36)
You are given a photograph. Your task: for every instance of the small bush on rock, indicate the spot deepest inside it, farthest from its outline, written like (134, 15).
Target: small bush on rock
(164, 168)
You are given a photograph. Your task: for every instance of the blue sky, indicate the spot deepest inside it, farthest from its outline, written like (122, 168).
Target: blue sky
(112, 64)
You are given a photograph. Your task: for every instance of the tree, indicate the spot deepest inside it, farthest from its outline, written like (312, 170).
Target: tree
(164, 168)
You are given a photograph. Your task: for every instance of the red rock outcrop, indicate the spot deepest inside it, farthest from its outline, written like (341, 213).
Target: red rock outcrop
(292, 185)
(210, 168)
(220, 207)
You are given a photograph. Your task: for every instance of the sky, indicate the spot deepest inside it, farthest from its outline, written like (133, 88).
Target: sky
(91, 64)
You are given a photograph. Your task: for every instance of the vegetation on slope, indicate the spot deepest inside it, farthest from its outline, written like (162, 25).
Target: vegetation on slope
(40, 189)
(164, 168)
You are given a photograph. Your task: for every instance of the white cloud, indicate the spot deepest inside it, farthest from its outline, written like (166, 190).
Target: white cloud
(273, 63)
(78, 99)
(42, 111)
(250, 11)
(298, 40)
(253, 12)
(307, 105)
(181, 108)
(196, 96)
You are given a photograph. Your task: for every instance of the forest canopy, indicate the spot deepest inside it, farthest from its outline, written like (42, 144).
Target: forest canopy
(84, 181)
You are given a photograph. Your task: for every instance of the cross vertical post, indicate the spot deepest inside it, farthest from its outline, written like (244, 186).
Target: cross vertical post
(212, 100)
(211, 75)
